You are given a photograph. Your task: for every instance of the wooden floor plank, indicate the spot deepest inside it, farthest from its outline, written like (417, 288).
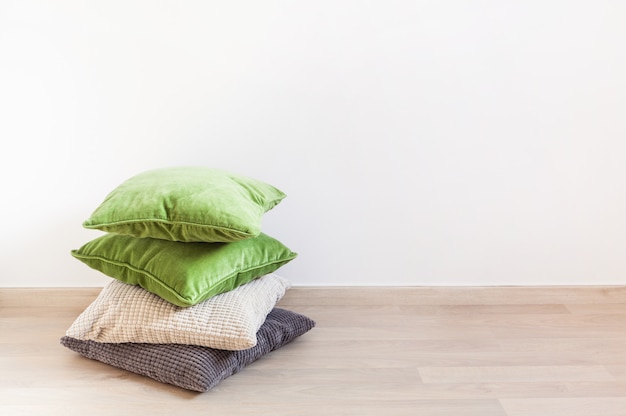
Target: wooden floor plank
(515, 374)
(496, 295)
(399, 351)
(596, 406)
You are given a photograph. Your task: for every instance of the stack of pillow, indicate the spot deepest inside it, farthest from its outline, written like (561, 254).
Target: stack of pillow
(193, 296)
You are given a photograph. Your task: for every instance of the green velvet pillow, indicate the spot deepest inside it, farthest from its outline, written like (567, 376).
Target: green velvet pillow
(189, 204)
(184, 274)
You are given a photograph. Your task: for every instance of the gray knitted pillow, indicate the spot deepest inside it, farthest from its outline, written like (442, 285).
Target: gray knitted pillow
(194, 367)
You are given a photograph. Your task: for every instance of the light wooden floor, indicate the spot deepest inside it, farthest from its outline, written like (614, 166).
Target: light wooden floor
(375, 351)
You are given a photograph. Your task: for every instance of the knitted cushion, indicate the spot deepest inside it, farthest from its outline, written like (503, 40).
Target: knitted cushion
(230, 321)
(194, 367)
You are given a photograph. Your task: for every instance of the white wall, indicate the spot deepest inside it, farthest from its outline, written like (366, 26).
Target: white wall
(441, 142)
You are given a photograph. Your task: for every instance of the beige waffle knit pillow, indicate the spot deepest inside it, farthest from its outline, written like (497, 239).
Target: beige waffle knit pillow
(229, 321)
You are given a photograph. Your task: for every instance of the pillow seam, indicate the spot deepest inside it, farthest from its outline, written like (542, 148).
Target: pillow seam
(169, 222)
(135, 269)
(188, 302)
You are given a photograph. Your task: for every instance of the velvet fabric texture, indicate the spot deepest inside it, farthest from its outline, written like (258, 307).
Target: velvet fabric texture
(184, 274)
(189, 203)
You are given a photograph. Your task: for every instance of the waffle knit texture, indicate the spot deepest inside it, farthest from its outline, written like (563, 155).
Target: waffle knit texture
(229, 321)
